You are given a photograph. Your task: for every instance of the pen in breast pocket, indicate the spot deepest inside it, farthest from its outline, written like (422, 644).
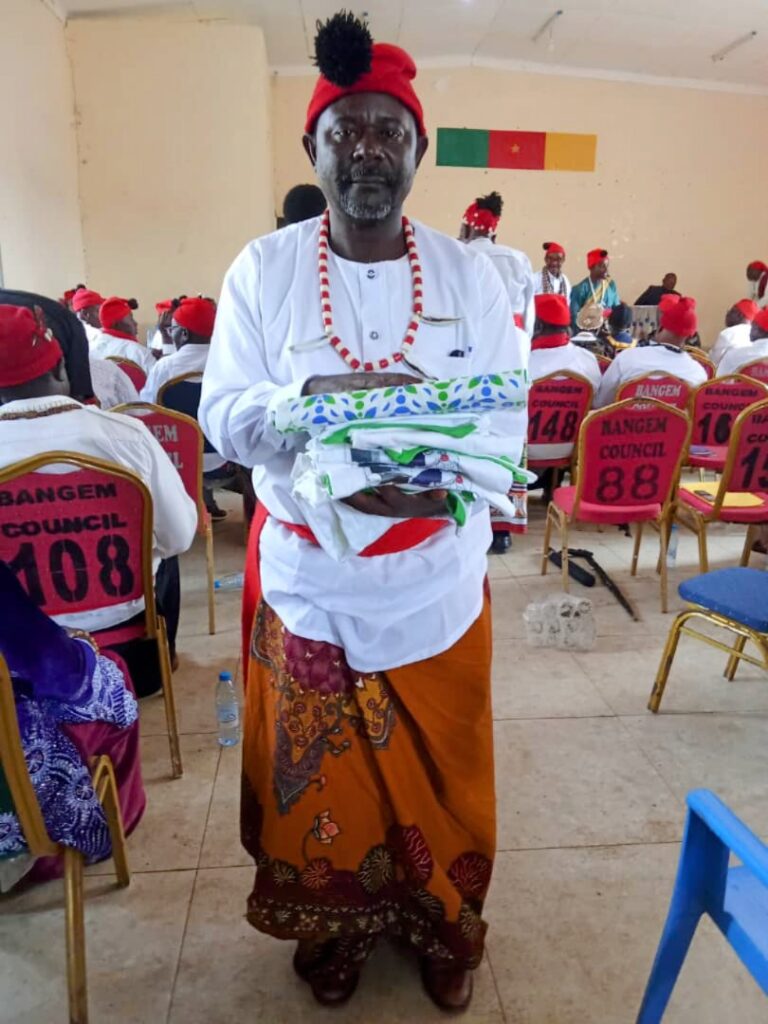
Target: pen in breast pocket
(309, 345)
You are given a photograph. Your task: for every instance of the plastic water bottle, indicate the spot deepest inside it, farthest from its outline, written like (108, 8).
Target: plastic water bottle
(227, 711)
(233, 581)
(674, 538)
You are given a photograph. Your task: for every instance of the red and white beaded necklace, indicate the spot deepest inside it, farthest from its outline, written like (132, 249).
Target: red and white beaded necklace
(325, 300)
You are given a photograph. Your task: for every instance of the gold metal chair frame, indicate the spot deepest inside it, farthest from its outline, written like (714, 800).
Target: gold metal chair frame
(736, 653)
(556, 517)
(697, 521)
(27, 808)
(204, 523)
(744, 370)
(703, 358)
(155, 624)
(121, 360)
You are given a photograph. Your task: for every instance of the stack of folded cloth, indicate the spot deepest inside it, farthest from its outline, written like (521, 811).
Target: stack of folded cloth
(419, 437)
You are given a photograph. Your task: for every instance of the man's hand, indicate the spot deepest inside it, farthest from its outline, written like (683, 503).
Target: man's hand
(392, 502)
(336, 382)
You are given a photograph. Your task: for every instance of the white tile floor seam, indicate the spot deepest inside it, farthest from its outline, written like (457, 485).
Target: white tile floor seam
(591, 791)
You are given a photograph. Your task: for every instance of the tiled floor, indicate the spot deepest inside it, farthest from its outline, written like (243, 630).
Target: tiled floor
(590, 796)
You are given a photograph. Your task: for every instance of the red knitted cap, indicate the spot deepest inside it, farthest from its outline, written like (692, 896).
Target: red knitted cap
(27, 348)
(84, 297)
(114, 310)
(595, 256)
(552, 309)
(677, 314)
(350, 62)
(761, 319)
(196, 315)
(553, 247)
(748, 308)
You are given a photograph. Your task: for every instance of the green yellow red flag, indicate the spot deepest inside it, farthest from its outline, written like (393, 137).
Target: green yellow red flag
(524, 151)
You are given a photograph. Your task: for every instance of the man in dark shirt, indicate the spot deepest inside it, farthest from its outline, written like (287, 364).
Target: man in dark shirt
(653, 293)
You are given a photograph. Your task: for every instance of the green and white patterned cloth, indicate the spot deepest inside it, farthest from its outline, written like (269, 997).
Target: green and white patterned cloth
(313, 414)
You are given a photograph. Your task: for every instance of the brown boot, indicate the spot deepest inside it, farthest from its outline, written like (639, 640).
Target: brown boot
(447, 985)
(331, 984)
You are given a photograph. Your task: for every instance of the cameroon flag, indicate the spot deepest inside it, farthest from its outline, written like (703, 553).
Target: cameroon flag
(521, 151)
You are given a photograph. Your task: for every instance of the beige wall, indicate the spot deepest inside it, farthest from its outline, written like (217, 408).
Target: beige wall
(679, 183)
(175, 150)
(40, 239)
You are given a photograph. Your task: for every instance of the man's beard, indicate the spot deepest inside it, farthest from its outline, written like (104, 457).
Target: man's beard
(370, 209)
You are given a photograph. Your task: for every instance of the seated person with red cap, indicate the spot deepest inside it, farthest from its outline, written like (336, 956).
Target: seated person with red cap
(38, 415)
(551, 280)
(736, 358)
(593, 298)
(665, 354)
(110, 385)
(160, 343)
(119, 334)
(478, 229)
(757, 275)
(190, 330)
(86, 305)
(736, 333)
(552, 348)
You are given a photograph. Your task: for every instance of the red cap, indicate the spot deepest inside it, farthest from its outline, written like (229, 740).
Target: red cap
(553, 247)
(196, 315)
(84, 297)
(761, 319)
(481, 219)
(114, 310)
(677, 314)
(747, 308)
(163, 306)
(595, 256)
(27, 348)
(552, 309)
(754, 265)
(392, 71)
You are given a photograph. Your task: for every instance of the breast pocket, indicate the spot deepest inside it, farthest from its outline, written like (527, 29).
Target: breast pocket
(443, 347)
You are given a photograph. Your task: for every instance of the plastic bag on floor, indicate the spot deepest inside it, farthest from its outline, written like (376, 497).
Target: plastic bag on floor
(561, 621)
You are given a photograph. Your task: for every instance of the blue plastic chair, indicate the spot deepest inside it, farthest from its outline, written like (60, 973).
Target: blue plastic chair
(736, 898)
(734, 599)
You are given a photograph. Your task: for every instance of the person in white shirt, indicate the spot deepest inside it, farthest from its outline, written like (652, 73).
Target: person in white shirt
(677, 322)
(110, 384)
(357, 299)
(736, 333)
(551, 347)
(757, 275)
(736, 358)
(551, 280)
(478, 229)
(38, 415)
(190, 329)
(159, 343)
(119, 334)
(85, 305)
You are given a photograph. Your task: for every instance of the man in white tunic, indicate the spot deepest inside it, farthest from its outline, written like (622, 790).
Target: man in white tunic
(736, 333)
(551, 280)
(119, 334)
(478, 229)
(352, 833)
(551, 347)
(737, 358)
(677, 322)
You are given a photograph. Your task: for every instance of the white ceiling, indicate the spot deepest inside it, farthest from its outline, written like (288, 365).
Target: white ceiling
(657, 38)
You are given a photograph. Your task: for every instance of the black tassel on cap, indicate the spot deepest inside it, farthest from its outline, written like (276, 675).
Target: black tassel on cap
(492, 202)
(343, 49)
